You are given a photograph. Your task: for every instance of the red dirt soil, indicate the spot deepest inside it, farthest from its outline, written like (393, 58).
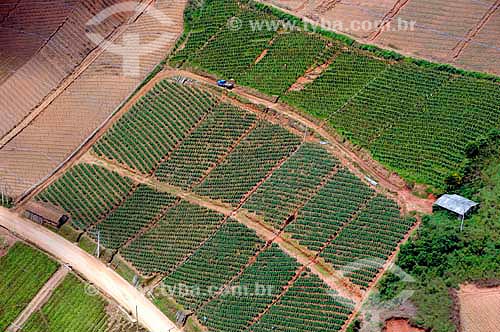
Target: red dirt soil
(479, 308)
(442, 27)
(400, 325)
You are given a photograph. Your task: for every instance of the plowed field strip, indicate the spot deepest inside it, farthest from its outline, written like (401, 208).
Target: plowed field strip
(395, 10)
(459, 48)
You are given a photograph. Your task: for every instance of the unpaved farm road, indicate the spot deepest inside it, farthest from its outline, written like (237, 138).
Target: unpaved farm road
(91, 269)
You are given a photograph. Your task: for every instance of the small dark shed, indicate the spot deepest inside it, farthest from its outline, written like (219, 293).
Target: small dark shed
(45, 213)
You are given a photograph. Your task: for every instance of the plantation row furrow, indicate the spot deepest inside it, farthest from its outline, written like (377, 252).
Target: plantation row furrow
(249, 162)
(328, 211)
(214, 264)
(363, 246)
(87, 193)
(154, 126)
(203, 148)
(292, 184)
(415, 118)
(136, 212)
(177, 234)
(308, 305)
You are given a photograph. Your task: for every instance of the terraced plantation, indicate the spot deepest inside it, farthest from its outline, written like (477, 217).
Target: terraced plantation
(89, 192)
(414, 117)
(172, 112)
(206, 212)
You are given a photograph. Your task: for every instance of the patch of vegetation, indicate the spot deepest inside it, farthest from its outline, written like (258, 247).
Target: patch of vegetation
(414, 116)
(70, 309)
(6, 201)
(441, 257)
(23, 272)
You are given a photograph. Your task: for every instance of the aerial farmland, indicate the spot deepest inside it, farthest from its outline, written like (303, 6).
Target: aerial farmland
(244, 165)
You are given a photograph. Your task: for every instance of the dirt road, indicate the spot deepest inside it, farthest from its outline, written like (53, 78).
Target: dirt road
(40, 299)
(105, 279)
(356, 164)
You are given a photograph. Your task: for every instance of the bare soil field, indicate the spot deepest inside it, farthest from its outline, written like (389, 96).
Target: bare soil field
(479, 308)
(87, 102)
(24, 27)
(441, 27)
(482, 54)
(44, 42)
(400, 325)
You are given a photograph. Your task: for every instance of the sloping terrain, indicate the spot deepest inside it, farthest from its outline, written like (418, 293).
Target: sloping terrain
(416, 118)
(42, 43)
(260, 198)
(458, 32)
(88, 101)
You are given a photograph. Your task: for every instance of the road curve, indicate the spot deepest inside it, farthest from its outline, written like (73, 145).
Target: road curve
(96, 272)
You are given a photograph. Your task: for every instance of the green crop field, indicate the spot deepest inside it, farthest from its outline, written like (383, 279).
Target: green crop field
(237, 160)
(414, 118)
(87, 192)
(23, 271)
(70, 309)
(155, 125)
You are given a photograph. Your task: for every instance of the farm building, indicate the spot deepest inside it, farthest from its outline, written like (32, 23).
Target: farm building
(45, 213)
(456, 204)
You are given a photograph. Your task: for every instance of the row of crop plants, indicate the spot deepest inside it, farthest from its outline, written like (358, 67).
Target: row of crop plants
(329, 210)
(309, 305)
(252, 159)
(136, 212)
(225, 54)
(250, 293)
(363, 245)
(88, 193)
(292, 184)
(201, 150)
(155, 125)
(285, 60)
(416, 120)
(70, 309)
(23, 272)
(213, 265)
(176, 235)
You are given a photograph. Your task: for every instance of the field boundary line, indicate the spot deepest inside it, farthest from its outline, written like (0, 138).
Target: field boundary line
(461, 45)
(388, 17)
(94, 54)
(225, 155)
(40, 299)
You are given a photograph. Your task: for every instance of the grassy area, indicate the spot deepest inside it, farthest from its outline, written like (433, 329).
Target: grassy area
(23, 271)
(169, 307)
(70, 309)
(441, 257)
